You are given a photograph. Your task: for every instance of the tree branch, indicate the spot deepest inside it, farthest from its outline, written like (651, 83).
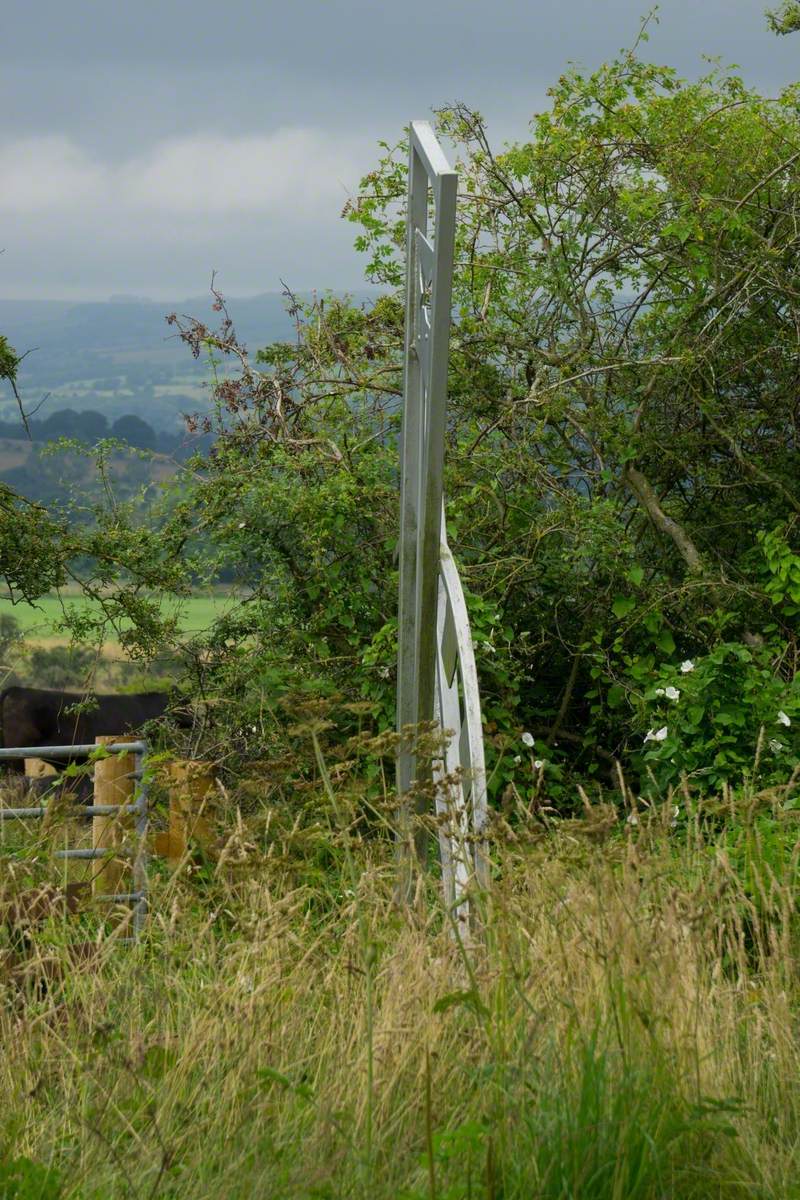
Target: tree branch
(643, 490)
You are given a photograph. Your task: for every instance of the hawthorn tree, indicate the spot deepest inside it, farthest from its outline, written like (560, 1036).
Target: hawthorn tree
(623, 441)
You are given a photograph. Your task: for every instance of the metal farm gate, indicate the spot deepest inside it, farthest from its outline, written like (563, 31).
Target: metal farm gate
(139, 808)
(437, 676)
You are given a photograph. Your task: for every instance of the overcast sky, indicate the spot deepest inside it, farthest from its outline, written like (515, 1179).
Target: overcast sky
(144, 143)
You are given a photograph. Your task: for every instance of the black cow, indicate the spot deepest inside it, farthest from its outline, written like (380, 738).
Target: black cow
(40, 717)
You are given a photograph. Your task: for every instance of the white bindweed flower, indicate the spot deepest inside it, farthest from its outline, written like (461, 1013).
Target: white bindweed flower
(775, 746)
(242, 524)
(527, 739)
(687, 666)
(517, 760)
(538, 763)
(783, 719)
(660, 691)
(672, 693)
(656, 735)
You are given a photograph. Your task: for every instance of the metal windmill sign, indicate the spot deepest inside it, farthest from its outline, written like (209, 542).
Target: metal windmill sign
(437, 677)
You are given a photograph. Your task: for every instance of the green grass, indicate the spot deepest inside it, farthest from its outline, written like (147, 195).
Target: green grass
(625, 1029)
(41, 620)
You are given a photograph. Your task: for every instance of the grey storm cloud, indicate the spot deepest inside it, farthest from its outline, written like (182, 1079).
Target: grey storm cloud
(144, 144)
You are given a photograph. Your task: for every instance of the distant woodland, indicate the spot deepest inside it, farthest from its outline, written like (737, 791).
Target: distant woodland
(108, 370)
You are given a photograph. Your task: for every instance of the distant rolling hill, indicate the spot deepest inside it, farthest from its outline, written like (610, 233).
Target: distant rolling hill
(120, 356)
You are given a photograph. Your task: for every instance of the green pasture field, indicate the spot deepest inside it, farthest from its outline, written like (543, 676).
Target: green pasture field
(40, 621)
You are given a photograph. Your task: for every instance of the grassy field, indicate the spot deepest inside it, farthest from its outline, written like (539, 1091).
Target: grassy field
(624, 1029)
(40, 622)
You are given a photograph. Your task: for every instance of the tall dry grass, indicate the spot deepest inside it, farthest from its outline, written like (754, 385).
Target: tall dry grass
(626, 1027)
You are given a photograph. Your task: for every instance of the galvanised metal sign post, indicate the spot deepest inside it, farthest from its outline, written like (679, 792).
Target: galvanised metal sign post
(437, 679)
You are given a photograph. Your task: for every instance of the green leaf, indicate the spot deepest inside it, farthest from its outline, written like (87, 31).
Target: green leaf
(270, 1075)
(623, 605)
(727, 717)
(666, 642)
(469, 999)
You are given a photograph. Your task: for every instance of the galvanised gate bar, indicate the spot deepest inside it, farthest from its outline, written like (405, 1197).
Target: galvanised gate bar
(139, 808)
(437, 680)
